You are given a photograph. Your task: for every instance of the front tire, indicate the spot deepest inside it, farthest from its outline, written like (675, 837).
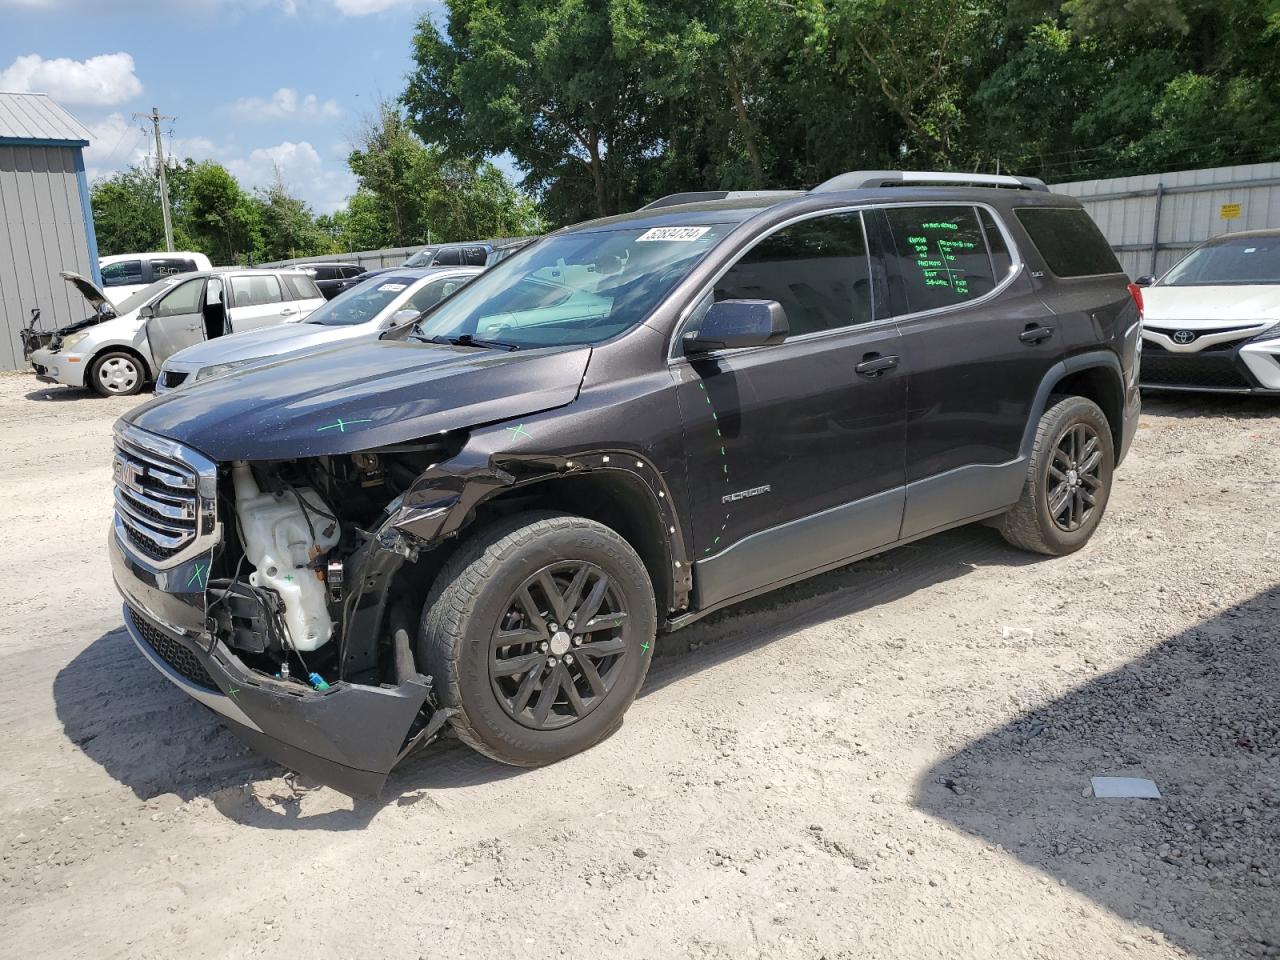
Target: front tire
(116, 373)
(539, 632)
(1068, 480)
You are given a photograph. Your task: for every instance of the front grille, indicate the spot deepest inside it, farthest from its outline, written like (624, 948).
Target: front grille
(171, 651)
(157, 501)
(174, 378)
(1216, 370)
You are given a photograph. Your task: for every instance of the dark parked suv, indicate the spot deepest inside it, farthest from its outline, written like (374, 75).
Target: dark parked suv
(333, 278)
(485, 518)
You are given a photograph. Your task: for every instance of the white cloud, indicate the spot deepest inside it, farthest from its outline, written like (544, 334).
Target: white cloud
(117, 142)
(303, 171)
(103, 81)
(285, 104)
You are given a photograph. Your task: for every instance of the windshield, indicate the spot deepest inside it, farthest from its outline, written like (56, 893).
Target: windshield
(135, 300)
(1236, 261)
(573, 289)
(420, 259)
(362, 302)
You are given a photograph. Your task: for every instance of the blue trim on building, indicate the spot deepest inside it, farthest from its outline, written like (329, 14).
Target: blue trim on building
(28, 142)
(86, 208)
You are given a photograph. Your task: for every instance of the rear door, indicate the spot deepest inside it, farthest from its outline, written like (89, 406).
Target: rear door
(976, 343)
(178, 320)
(795, 450)
(258, 300)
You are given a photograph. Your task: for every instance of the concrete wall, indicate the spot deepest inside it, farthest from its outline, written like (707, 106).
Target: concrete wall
(1153, 220)
(47, 227)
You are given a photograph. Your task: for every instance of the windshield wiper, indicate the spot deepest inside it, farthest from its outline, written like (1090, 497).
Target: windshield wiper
(467, 340)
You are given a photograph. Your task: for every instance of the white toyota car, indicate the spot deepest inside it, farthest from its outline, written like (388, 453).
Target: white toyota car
(1212, 323)
(120, 347)
(363, 312)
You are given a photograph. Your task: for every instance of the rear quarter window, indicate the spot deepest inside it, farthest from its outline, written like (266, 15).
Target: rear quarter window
(301, 287)
(1069, 240)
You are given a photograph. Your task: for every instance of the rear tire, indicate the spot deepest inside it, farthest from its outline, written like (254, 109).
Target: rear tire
(539, 632)
(116, 373)
(1068, 480)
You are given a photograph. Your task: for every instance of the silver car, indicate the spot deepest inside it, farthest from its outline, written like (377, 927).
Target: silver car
(363, 312)
(120, 347)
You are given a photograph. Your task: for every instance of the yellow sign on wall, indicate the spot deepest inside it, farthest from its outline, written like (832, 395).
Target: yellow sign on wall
(1229, 211)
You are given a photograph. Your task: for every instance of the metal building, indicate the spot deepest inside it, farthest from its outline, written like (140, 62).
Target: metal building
(48, 221)
(1153, 220)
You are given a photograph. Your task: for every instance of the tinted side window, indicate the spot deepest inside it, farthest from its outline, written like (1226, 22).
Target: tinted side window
(817, 269)
(942, 255)
(348, 272)
(1069, 240)
(1001, 261)
(449, 257)
(252, 291)
(183, 299)
(122, 273)
(170, 267)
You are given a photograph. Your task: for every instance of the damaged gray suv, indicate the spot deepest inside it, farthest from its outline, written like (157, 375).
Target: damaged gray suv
(483, 520)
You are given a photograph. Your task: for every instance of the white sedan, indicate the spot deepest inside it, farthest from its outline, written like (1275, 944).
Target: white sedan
(1212, 323)
(363, 312)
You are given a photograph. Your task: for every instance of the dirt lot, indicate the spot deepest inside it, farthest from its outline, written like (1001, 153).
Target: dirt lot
(892, 760)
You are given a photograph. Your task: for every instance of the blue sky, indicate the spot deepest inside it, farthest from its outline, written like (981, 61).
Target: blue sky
(254, 84)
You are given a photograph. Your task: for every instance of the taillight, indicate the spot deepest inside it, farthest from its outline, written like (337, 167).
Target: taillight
(1135, 291)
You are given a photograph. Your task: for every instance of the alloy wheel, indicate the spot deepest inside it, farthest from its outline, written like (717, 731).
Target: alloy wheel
(1074, 477)
(559, 645)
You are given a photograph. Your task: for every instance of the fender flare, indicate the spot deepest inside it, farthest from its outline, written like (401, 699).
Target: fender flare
(442, 503)
(1093, 359)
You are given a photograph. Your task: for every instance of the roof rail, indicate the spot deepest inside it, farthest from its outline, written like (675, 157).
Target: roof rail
(703, 196)
(866, 179)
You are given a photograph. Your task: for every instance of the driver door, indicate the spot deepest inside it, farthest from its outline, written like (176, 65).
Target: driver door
(795, 450)
(177, 320)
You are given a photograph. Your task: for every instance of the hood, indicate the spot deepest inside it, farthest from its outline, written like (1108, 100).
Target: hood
(91, 292)
(1198, 308)
(359, 396)
(265, 343)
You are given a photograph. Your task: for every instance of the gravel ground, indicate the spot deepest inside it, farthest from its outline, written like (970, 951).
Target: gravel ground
(891, 760)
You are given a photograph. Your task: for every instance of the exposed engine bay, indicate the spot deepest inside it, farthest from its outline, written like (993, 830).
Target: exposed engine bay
(302, 590)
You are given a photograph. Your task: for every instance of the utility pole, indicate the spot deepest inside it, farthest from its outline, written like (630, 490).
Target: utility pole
(155, 116)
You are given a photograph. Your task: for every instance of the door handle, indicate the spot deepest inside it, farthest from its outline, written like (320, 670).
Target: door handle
(873, 365)
(1034, 333)
(288, 312)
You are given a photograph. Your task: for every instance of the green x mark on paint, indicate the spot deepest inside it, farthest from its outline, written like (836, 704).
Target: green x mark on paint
(195, 577)
(341, 425)
(518, 431)
(289, 577)
(232, 692)
(644, 647)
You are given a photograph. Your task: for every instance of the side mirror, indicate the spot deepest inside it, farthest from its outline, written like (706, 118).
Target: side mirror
(1145, 281)
(147, 312)
(738, 323)
(403, 316)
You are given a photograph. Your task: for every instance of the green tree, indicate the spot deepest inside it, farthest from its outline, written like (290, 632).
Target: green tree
(220, 216)
(289, 229)
(544, 81)
(410, 192)
(126, 213)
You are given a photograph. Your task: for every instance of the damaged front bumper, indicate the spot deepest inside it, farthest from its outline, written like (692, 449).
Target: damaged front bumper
(348, 736)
